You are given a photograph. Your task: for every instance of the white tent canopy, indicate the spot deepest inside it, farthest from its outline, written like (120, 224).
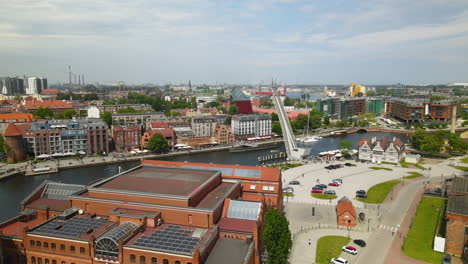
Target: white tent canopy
(82, 152)
(58, 154)
(180, 145)
(69, 154)
(43, 156)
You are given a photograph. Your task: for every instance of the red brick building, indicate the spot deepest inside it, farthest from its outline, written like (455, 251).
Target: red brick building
(223, 135)
(149, 214)
(127, 138)
(57, 106)
(346, 213)
(456, 241)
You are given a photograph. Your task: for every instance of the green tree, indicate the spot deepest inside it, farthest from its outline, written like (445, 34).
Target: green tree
(276, 128)
(90, 97)
(418, 138)
(42, 113)
(69, 113)
(315, 121)
(175, 113)
(344, 144)
(129, 110)
(18, 98)
(457, 144)
(222, 109)
(326, 120)
(274, 117)
(212, 104)
(370, 93)
(4, 148)
(158, 143)
(277, 237)
(232, 109)
(288, 101)
(228, 120)
(107, 117)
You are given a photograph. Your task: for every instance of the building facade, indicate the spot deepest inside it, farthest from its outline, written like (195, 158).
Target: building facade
(383, 150)
(456, 239)
(135, 119)
(204, 126)
(12, 86)
(245, 126)
(415, 110)
(127, 138)
(344, 107)
(36, 85)
(223, 135)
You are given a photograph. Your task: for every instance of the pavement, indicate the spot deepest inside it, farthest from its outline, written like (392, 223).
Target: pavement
(383, 240)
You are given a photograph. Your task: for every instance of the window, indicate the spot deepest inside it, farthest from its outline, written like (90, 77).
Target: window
(177, 262)
(33, 260)
(265, 188)
(165, 261)
(38, 243)
(271, 188)
(32, 243)
(154, 260)
(53, 246)
(46, 245)
(72, 249)
(63, 262)
(46, 261)
(142, 260)
(82, 250)
(39, 260)
(54, 262)
(252, 187)
(132, 258)
(62, 247)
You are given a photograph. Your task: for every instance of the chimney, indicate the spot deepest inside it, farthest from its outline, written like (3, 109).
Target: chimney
(454, 119)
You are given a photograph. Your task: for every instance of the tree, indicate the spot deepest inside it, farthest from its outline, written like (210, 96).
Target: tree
(457, 144)
(274, 117)
(371, 93)
(228, 121)
(276, 128)
(212, 104)
(42, 113)
(326, 120)
(232, 109)
(90, 97)
(315, 121)
(18, 98)
(157, 143)
(129, 110)
(107, 117)
(69, 113)
(277, 237)
(4, 148)
(344, 144)
(288, 101)
(175, 113)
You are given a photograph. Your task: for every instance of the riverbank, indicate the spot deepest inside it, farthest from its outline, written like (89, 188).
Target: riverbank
(27, 168)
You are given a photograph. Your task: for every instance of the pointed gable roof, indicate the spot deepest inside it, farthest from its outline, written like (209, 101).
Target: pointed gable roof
(345, 205)
(362, 141)
(12, 131)
(384, 143)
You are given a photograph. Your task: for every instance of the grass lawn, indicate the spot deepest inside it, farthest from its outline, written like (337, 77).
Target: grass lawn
(329, 247)
(405, 164)
(413, 174)
(380, 168)
(418, 241)
(464, 160)
(462, 168)
(377, 193)
(323, 196)
(288, 194)
(389, 163)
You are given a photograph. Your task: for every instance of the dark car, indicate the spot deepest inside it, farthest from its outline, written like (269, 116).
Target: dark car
(323, 186)
(447, 259)
(330, 192)
(360, 242)
(294, 183)
(360, 192)
(361, 195)
(317, 191)
(330, 167)
(317, 188)
(348, 164)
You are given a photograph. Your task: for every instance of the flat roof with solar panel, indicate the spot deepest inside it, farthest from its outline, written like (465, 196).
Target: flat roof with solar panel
(171, 239)
(77, 227)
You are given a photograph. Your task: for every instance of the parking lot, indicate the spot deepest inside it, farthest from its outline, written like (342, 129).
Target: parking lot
(358, 177)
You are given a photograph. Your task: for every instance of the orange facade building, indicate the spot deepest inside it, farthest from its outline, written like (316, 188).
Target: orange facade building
(159, 212)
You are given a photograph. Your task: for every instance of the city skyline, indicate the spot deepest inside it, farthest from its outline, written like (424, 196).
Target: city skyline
(293, 41)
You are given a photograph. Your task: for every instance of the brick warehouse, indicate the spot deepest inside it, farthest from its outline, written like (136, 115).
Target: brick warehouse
(456, 242)
(158, 212)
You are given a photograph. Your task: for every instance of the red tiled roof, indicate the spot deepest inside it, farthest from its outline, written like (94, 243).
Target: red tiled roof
(17, 116)
(345, 206)
(55, 205)
(362, 141)
(23, 128)
(50, 91)
(384, 143)
(51, 104)
(266, 174)
(291, 114)
(12, 131)
(159, 125)
(234, 224)
(9, 101)
(166, 132)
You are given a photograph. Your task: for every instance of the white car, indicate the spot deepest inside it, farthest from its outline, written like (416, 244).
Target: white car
(350, 250)
(339, 261)
(339, 181)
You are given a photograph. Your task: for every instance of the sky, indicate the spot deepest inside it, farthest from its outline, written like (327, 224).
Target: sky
(237, 41)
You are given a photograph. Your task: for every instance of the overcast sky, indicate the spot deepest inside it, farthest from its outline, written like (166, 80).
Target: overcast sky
(237, 41)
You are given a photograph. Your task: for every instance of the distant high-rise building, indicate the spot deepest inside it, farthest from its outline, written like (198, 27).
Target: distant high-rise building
(36, 85)
(11, 85)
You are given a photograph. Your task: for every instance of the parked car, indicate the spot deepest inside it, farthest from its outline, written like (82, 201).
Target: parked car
(350, 250)
(339, 166)
(330, 192)
(317, 188)
(360, 192)
(317, 191)
(334, 184)
(340, 181)
(330, 167)
(323, 186)
(447, 259)
(360, 242)
(339, 261)
(288, 189)
(294, 183)
(348, 164)
(361, 195)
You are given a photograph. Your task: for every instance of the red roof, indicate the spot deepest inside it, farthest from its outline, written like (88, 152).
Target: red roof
(55, 205)
(16, 116)
(234, 224)
(159, 125)
(50, 91)
(345, 206)
(266, 174)
(291, 114)
(12, 131)
(362, 141)
(51, 104)
(244, 107)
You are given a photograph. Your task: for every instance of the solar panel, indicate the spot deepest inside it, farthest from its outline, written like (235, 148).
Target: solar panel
(60, 191)
(224, 171)
(247, 173)
(244, 210)
(172, 239)
(73, 227)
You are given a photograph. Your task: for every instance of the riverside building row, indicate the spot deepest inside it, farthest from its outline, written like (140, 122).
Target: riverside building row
(159, 212)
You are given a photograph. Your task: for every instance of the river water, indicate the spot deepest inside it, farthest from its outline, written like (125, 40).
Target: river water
(13, 190)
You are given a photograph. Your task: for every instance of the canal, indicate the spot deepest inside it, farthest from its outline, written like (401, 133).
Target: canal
(13, 190)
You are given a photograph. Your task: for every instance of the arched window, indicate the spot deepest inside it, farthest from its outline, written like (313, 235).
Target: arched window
(177, 262)
(38, 243)
(33, 260)
(46, 261)
(82, 250)
(32, 243)
(154, 260)
(107, 246)
(62, 247)
(46, 245)
(63, 262)
(142, 260)
(39, 260)
(165, 261)
(72, 249)
(132, 258)
(53, 246)
(54, 261)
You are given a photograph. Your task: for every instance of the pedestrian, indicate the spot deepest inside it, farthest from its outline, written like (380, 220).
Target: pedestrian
(393, 233)
(309, 241)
